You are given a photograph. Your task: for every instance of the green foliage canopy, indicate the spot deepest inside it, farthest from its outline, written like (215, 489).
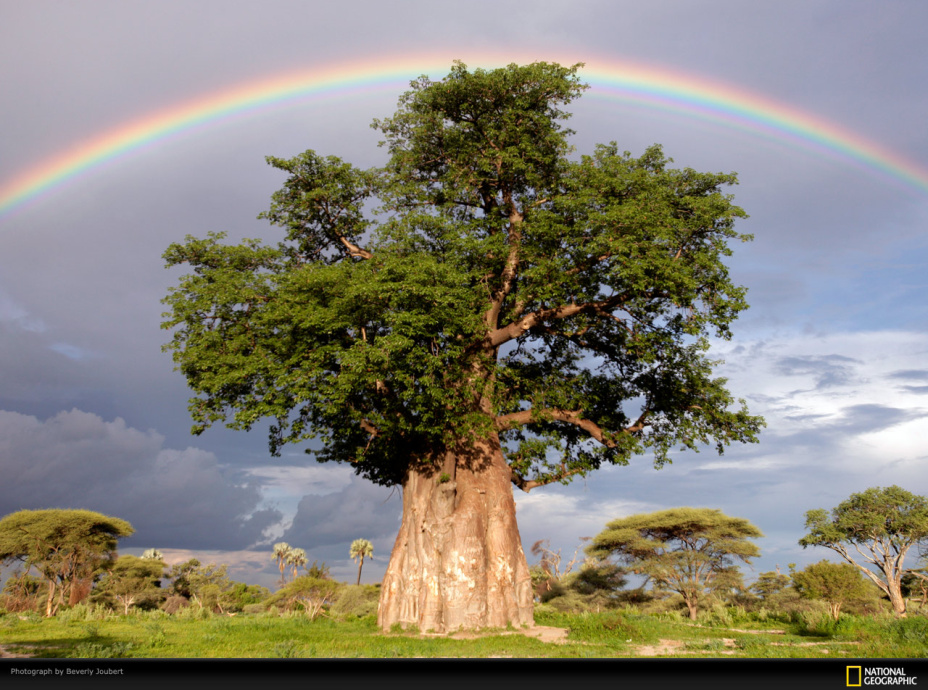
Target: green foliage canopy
(835, 583)
(771, 587)
(500, 287)
(685, 550)
(64, 546)
(132, 581)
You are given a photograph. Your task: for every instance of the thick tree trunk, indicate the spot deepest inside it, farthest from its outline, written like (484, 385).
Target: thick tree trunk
(458, 562)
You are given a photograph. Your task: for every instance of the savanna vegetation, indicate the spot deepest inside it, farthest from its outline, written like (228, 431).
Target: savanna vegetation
(631, 593)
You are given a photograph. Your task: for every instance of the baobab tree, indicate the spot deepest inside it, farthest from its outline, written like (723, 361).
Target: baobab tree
(515, 317)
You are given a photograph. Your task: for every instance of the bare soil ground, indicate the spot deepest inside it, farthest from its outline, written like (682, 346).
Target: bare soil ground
(541, 632)
(5, 654)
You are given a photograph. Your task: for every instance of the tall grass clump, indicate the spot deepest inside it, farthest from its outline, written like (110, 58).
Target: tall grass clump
(912, 633)
(78, 614)
(194, 613)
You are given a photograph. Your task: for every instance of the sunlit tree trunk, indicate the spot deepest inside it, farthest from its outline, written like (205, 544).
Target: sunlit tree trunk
(894, 590)
(693, 607)
(49, 609)
(458, 560)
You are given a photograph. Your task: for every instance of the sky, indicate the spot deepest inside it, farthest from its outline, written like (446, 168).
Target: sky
(818, 105)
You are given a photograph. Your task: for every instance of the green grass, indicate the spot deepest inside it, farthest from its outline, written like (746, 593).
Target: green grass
(627, 633)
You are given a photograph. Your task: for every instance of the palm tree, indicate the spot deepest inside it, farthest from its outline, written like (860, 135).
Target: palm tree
(359, 549)
(296, 558)
(281, 553)
(152, 555)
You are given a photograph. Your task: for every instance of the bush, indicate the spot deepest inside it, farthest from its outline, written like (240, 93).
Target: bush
(174, 604)
(242, 595)
(356, 601)
(309, 594)
(910, 629)
(22, 593)
(595, 587)
(817, 620)
(194, 613)
(80, 613)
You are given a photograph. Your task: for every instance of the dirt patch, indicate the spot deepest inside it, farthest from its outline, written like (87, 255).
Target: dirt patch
(662, 647)
(741, 630)
(540, 632)
(6, 654)
(686, 647)
(547, 634)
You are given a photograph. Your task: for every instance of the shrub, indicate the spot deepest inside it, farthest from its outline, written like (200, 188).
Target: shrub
(174, 603)
(356, 601)
(817, 620)
(194, 613)
(309, 594)
(910, 629)
(22, 593)
(79, 613)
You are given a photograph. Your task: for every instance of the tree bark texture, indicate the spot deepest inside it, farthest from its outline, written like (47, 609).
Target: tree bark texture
(894, 590)
(458, 562)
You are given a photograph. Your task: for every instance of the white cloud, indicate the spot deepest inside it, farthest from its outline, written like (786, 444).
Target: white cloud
(13, 312)
(301, 480)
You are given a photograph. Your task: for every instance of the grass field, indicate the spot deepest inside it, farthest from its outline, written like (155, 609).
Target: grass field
(84, 633)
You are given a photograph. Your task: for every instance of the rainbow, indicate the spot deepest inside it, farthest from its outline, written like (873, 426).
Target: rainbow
(627, 83)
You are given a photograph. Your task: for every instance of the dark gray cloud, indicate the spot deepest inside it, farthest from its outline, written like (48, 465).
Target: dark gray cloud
(909, 375)
(828, 370)
(362, 510)
(916, 390)
(75, 459)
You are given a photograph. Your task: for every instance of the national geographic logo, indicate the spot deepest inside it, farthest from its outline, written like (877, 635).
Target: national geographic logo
(878, 675)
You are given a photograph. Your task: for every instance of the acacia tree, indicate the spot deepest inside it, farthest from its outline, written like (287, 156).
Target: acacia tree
(773, 588)
(65, 546)
(132, 581)
(881, 525)
(511, 316)
(685, 550)
(208, 586)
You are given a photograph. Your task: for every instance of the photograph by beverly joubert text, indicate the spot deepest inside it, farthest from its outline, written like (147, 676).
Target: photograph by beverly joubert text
(47, 671)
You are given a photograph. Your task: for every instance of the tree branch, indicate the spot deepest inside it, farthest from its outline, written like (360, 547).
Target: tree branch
(510, 270)
(528, 484)
(523, 417)
(353, 249)
(536, 318)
